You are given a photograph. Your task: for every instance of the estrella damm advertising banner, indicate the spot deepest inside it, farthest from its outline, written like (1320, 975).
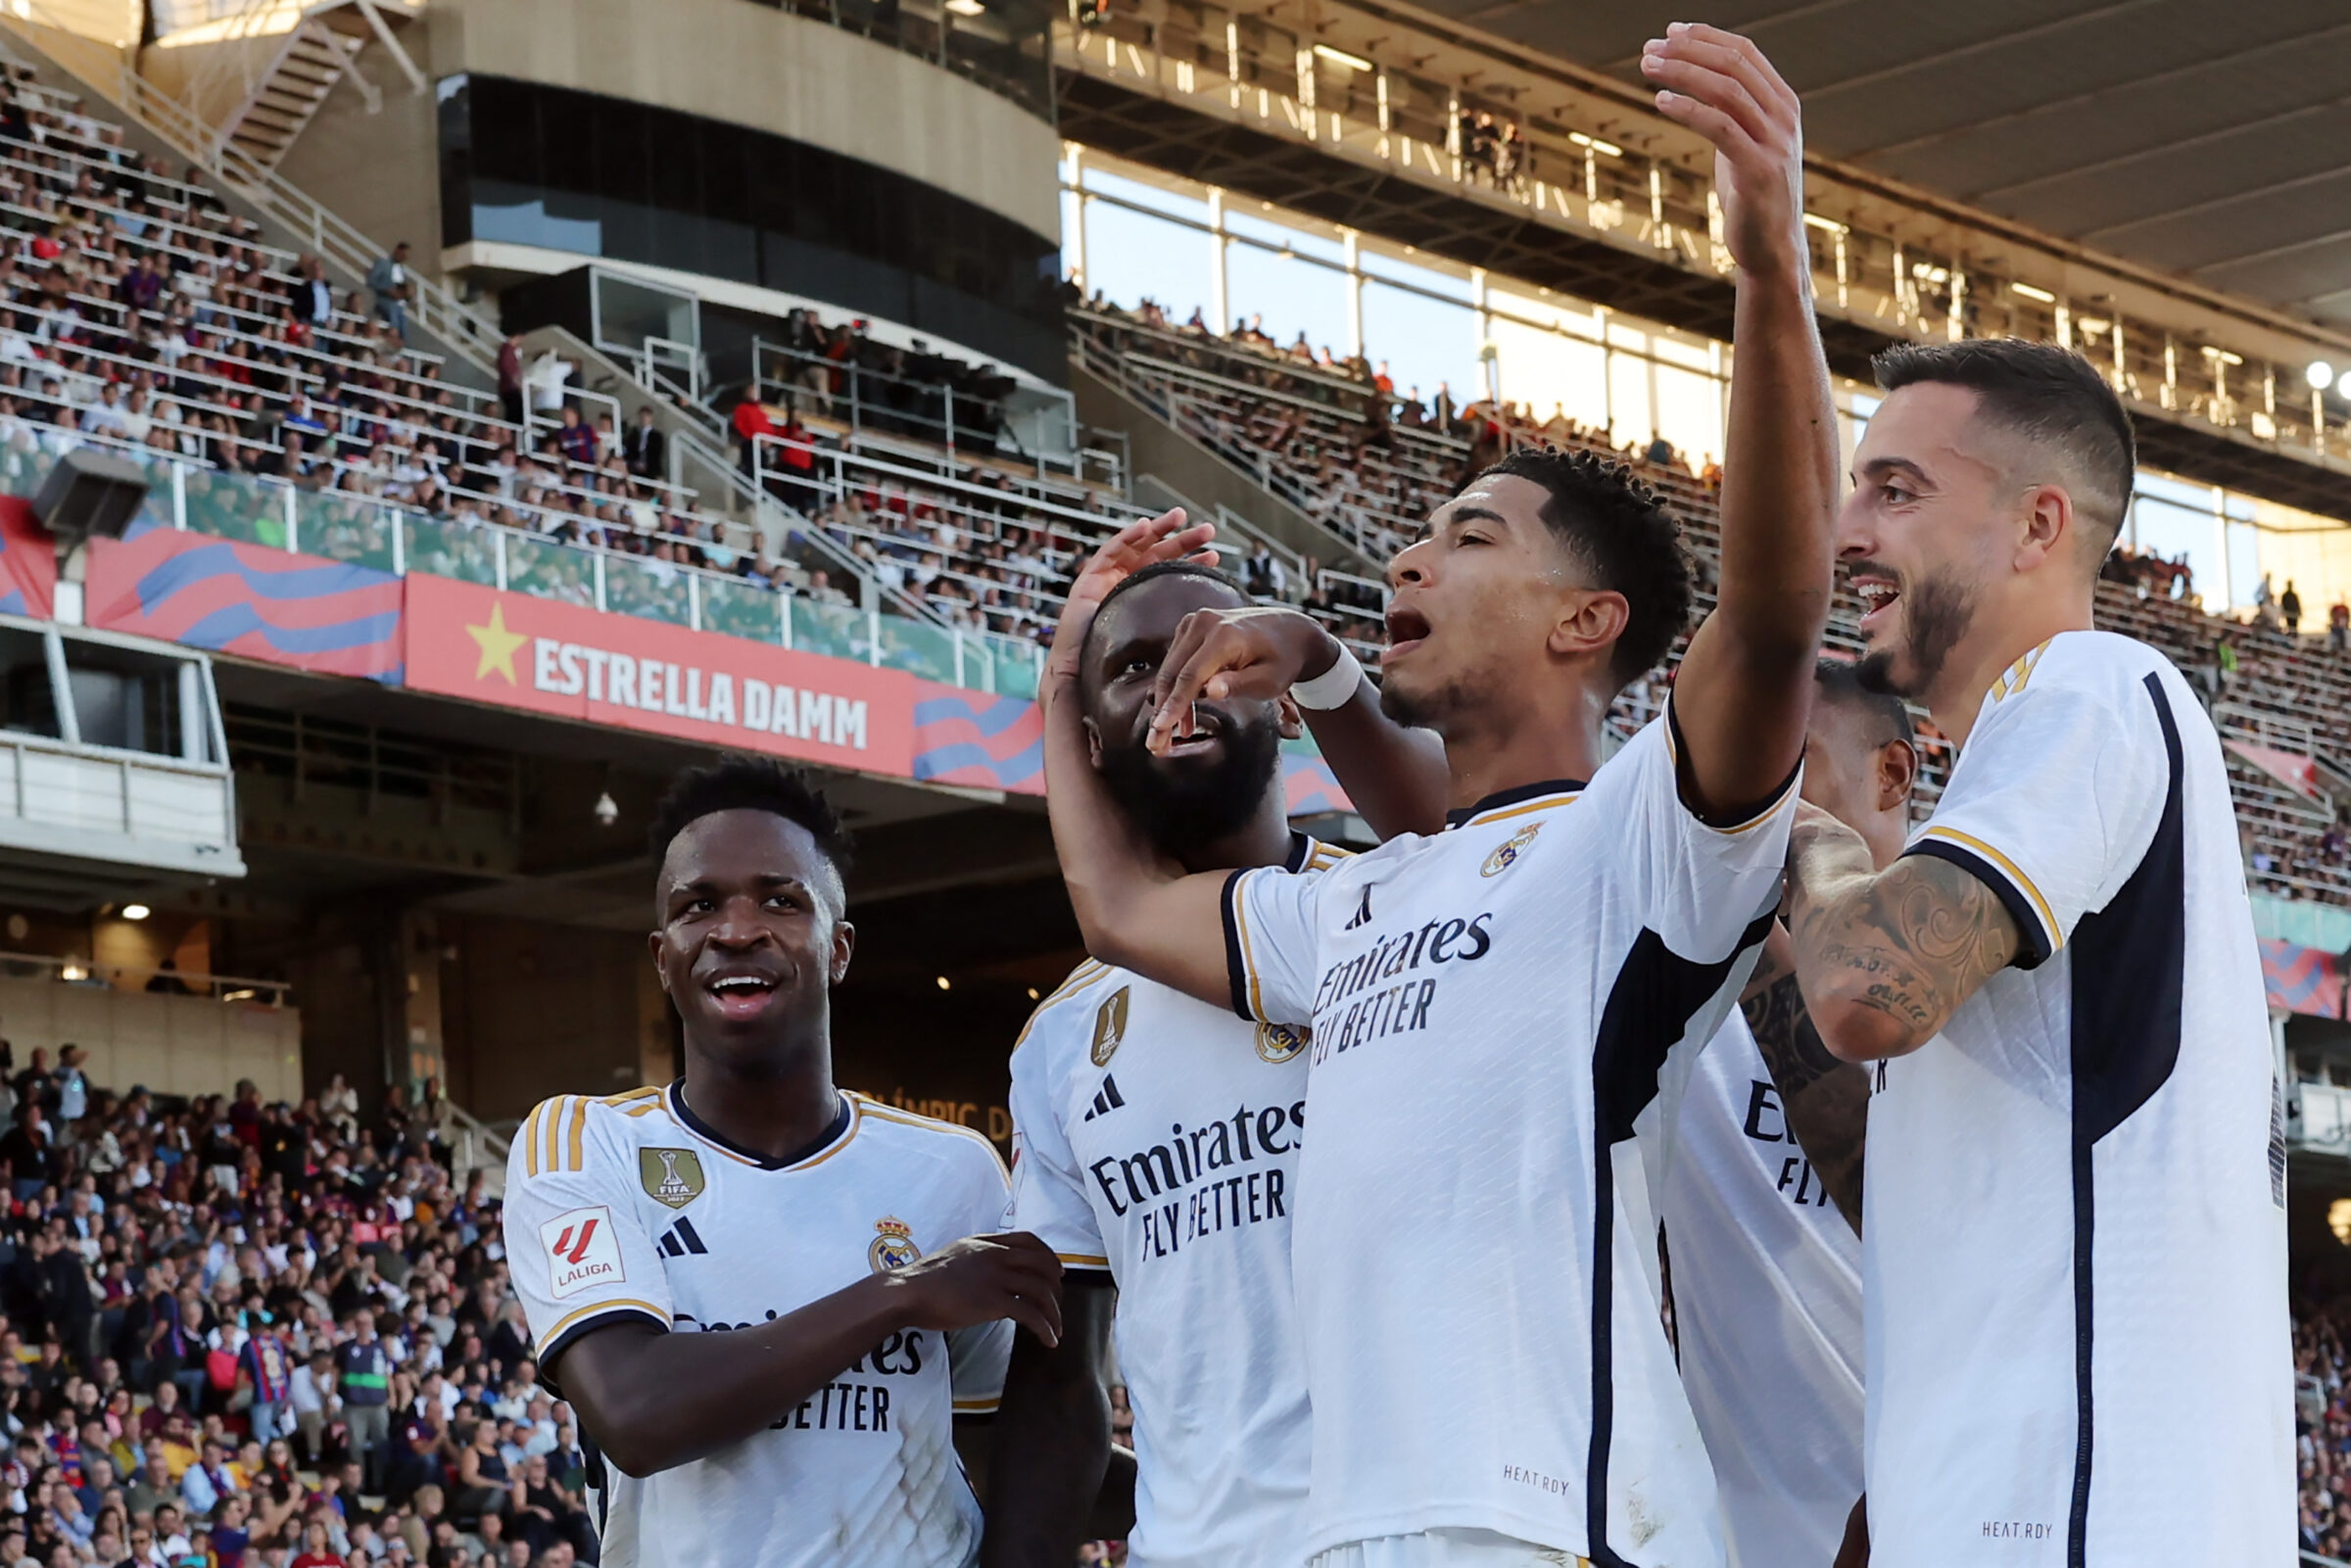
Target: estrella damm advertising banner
(545, 656)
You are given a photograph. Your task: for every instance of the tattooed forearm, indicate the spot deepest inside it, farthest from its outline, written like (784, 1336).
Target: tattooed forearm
(1885, 959)
(1826, 1101)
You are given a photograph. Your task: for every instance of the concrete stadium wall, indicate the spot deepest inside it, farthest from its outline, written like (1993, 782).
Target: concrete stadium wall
(773, 71)
(530, 1010)
(172, 1044)
(720, 59)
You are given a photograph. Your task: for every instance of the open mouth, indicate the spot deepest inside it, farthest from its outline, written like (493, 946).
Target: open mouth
(1197, 734)
(741, 995)
(1876, 596)
(1408, 629)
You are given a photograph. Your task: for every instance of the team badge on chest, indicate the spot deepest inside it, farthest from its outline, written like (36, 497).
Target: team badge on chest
(893, 1246)
(1505, 855)
(1110, 1027)
(1278, 1042)
(672, 1177)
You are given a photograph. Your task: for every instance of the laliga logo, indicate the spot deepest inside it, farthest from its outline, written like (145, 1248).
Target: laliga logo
(893, 1246)
(581, 1251)
(570, 1251)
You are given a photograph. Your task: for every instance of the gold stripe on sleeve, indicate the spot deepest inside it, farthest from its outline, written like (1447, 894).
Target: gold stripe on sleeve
(529, 1137)
(2014, 873)
(578, 1129)
(592, 1309)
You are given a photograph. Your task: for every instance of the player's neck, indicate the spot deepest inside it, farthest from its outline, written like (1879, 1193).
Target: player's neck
(1956, 698)
(1263, 841)
(774, 1106)
(1523, 744)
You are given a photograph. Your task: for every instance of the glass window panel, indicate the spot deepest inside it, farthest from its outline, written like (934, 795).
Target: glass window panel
(1131, 257)
(228, 508)
(544, 569)
(741, 609)
(918, 647)
(1251, 225)
(344, 528)
(1148, 196)
(567, 127)
(837, 631)
(1292, 296)
(445, 548)
(1427, 341)
(636, 584)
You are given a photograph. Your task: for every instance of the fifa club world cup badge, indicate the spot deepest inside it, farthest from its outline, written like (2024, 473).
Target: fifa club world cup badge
(1110, 1027)
(672, 1177)
(1278, 1042)
(893, 1246)
(1506, 854)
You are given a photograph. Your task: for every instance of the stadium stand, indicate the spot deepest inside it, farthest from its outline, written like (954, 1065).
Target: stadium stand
(139, 311)
(261, 1332)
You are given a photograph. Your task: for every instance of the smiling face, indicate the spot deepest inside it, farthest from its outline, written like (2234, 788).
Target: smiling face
(751, 939)
(1929, 531)
(1211, 781)
(1477, 603)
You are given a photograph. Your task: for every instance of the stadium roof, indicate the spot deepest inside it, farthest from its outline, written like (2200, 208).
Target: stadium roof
(2198, 137)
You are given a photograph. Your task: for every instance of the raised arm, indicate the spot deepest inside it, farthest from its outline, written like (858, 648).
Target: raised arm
(1745, 682)
(1395, 775)
(1133, 910)
(1884, 958)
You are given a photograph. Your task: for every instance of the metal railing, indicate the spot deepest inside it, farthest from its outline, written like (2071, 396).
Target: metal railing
(939, 414)
(1236, 67)
(75, 971)
(434, 308)
(884, 631)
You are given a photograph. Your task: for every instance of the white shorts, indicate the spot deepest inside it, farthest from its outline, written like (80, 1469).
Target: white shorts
(1446, 1549)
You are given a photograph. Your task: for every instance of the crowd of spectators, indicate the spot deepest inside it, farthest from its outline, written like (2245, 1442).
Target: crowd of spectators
(2323, 1428)
(843, 372)
(137, 310)
(240, 1333)
(2148, 574)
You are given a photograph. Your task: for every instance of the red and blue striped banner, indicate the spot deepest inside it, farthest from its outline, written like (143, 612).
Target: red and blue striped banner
(249, 599)
(2303, 979)
(27, 562)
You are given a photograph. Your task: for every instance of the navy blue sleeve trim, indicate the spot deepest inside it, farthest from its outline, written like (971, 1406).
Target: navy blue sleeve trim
(1236, 967)
(1723, 822)
(550, 1352)
(2034, 949)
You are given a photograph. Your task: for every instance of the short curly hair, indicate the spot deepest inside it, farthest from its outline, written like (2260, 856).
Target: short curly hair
(736, 783)
(1619, 531)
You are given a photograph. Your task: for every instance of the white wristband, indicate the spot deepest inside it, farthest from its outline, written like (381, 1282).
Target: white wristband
(1334, 688)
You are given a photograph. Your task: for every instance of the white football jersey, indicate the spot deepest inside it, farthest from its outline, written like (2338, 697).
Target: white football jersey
(633, 1208)
(1157, 1136)
(2075, 1207)
(1768, 1311)
(1504, 1015)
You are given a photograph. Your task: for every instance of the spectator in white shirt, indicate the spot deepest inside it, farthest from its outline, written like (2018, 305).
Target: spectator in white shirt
(109, 417)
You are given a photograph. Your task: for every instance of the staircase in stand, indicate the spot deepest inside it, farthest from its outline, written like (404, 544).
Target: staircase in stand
(317, 54)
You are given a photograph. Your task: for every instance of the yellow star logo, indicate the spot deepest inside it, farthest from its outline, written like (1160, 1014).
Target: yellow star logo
(498, 645)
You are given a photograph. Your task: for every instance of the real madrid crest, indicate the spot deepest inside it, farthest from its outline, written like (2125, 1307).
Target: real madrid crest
(1505, 854)
(1278, 1042)
(672, 1177)
(893, 1246)
(1110, 1027)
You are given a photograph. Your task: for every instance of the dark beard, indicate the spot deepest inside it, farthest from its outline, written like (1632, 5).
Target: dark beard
(1936, 615)
(1184, 808)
